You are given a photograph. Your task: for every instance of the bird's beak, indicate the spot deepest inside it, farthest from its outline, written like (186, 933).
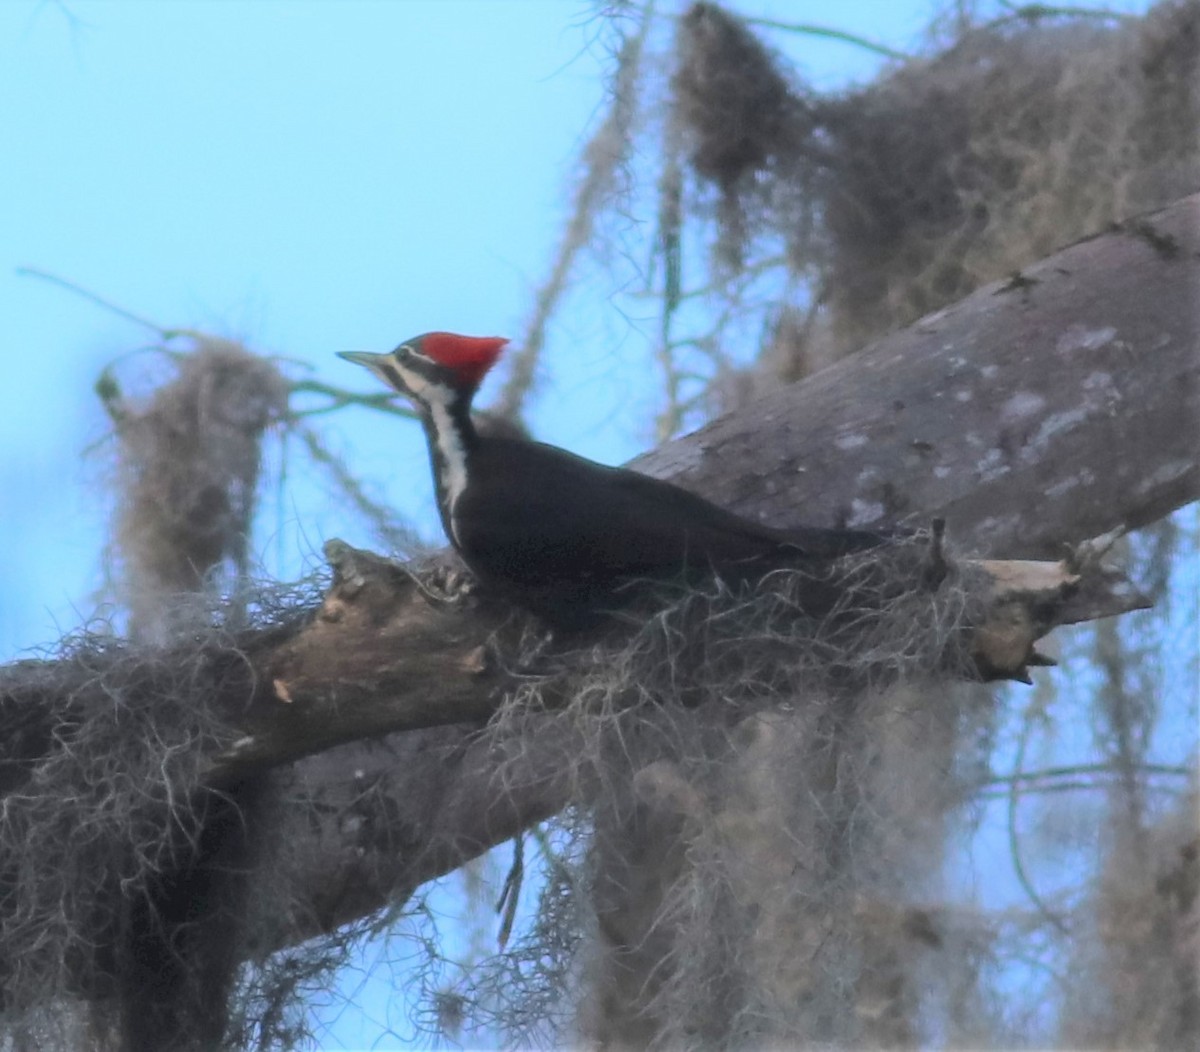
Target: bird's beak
(364, 358)
(375, 362)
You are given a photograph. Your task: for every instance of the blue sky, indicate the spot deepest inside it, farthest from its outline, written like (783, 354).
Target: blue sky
(308, 177)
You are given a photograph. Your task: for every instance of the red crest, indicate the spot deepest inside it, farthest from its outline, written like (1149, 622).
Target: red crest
(469, 357)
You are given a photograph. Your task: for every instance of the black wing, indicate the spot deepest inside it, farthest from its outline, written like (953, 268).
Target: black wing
(539, 515)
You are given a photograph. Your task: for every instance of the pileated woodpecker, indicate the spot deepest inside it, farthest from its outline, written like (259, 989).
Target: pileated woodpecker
(564, 536)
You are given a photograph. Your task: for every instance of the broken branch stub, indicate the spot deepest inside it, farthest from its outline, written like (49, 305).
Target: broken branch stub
(1028, 599)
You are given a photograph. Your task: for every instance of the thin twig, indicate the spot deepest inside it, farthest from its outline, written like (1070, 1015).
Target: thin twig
(339, 398)
(100, 301)
(385, 519)
(829, 33)
(603, 154)
(1014, 839)
(510, 894)
(1074, 770)
(1034, 12)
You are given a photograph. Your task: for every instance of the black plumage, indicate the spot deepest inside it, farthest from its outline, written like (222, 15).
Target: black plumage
(562, 535)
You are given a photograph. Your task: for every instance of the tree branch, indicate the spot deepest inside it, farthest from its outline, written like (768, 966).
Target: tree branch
(382, 656)
(1058, 405)
(1050, 407)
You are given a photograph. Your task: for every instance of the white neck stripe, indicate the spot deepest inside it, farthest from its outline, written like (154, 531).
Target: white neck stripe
(448, 450)
(453, 476)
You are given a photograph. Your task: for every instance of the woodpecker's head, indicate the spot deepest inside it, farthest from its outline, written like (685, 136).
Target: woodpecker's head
(437, 367)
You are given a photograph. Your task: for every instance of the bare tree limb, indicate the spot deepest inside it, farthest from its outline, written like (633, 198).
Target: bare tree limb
(1047, 408)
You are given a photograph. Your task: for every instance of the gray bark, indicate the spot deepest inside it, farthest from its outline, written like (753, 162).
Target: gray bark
(1049, 407)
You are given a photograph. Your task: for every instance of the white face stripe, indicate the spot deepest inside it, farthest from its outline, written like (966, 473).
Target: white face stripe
(453, 455)
(449, 449)
(411, 380)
